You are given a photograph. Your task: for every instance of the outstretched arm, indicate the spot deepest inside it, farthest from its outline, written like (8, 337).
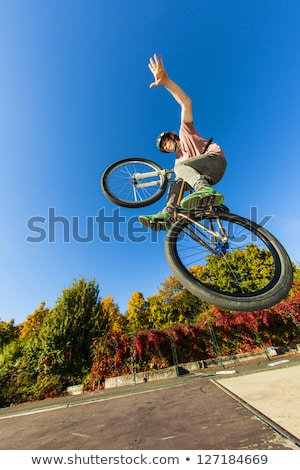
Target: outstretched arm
(162, 79)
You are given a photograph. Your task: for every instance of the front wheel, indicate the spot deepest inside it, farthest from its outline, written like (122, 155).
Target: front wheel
(228, 261)
(134, 182)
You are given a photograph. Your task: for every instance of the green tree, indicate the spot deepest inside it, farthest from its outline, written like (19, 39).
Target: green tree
(8, 332)
(253, 267)
(68, 332)
(10, 358)
(20, 360)
(179, 304)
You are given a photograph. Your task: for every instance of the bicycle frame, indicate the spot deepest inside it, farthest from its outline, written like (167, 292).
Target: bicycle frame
(222, 236)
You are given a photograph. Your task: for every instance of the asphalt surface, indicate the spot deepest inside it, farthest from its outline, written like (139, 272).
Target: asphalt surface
(253, 406)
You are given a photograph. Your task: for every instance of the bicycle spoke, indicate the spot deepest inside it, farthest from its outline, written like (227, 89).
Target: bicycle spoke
(123, 184)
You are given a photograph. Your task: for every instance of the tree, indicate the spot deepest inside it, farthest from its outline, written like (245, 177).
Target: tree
(111, 311)
(34, 322)
(253, 267)
(182, 306)
(20, 360)
(67, 334)
(8, 332)
(10, 358)
(137, 315)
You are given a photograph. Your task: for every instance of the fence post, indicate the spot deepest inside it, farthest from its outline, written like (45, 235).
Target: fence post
(133, 362)
(258, 337)
(174, 353)
(215, 343)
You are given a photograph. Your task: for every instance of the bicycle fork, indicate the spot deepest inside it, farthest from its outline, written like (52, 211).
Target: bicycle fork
(138, 178)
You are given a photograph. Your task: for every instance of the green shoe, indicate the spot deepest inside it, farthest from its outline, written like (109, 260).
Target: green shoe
(157, 222)
(204, 197)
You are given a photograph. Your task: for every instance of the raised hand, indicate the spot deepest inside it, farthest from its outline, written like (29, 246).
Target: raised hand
(159, 72)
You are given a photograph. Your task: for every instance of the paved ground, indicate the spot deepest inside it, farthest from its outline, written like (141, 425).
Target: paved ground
(255, 408)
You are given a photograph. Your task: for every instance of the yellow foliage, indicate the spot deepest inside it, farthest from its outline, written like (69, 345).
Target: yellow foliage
(110, 310)
(33, 322)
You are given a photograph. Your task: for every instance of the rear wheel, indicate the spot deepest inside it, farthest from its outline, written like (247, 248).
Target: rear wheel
(134, 182)
(229, 261)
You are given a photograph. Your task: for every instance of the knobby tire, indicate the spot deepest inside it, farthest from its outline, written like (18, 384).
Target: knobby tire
(188, 260)
(120, 187)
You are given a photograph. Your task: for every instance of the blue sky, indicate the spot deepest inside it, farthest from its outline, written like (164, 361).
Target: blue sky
(74, 97)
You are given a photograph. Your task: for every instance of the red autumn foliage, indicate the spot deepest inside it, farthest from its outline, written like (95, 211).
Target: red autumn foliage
(222, 333)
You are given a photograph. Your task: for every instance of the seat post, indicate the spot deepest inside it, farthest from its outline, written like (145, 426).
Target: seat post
(181, 192)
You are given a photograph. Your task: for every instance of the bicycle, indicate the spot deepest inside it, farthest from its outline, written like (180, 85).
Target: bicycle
(222, 258)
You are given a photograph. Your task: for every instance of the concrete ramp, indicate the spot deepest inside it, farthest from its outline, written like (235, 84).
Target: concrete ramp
(274, 394)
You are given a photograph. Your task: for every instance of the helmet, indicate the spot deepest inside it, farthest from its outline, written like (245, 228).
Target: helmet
(163, 136)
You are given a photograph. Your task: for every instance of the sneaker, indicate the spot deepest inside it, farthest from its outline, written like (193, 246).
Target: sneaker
(204, 197)
(157, 222)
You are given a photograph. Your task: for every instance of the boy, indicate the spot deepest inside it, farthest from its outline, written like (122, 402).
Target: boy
(199, 162)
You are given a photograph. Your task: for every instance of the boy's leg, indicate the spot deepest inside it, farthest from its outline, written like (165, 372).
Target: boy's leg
(162, 220)
(200, 172)
(172, 196)
(206, 167)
